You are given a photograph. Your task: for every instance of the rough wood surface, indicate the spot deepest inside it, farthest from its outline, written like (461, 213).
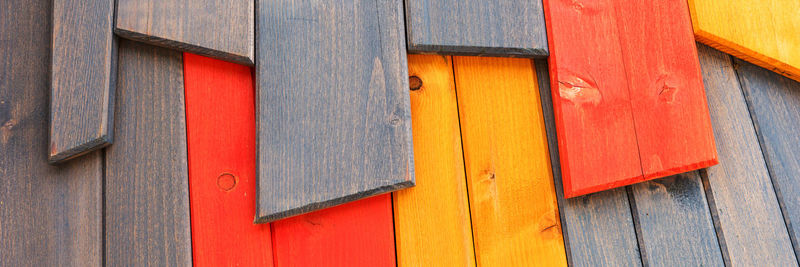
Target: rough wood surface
(147, 190)
(49, 216)
(474, 27)
(82, 77)
(220, 29)
(739, 191)
(332, 104)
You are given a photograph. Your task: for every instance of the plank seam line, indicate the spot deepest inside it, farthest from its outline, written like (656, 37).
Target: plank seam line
(712, 208)
(394, 231)
(103, 207)
(637, 229)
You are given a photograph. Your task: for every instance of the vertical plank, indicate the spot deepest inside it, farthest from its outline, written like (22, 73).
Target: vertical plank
(49, 216)
(220, 130)
(774, 103)
(332, 110)
(147, 190)
(489, 28)
(740, 194)
(431, 220)
(512, 198)
(82, 77)
(220, 29)
(354, 234)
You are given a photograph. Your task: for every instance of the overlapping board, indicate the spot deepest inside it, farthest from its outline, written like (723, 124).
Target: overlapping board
(628, 98)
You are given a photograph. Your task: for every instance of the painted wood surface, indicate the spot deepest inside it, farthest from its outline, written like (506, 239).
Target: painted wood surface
(354, 234)
(513, 204)
(472, 27)
(146, 189)
(739, 191)
(431, 220)
(768, 35)
(774, 103)
(49, 216)
(332, 110)
(220, 29)
(82, 77)
(598, 228)
(220, 130)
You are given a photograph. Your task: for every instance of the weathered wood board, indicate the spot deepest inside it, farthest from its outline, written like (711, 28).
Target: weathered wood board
(332, 110)
(473, 27)
(765, 33)
(82, 77)
(147, 190)
(220, 29)
(431, 220)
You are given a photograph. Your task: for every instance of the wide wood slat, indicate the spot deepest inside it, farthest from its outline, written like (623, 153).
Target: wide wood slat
(83, 76)
(473, 27)
(332, 104)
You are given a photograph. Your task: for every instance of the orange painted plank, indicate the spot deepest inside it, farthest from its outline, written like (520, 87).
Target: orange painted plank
(220, 126)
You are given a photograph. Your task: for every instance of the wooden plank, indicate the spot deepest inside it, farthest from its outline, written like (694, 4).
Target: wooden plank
(354, 234)
(515, 217)
(488, 28)
(598, 228)
(739, 191)
(221, 140)
(83, 76)
(767, 36)
(332, 110)
(49, 216)
(774, 103)
(431, 220)
(147, 190)
(220, 29)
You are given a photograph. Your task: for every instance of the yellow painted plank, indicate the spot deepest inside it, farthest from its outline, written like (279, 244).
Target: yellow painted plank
(515, 218)
(432, 224)
(764, 32)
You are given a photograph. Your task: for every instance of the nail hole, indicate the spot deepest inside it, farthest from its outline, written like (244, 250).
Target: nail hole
(226, 182)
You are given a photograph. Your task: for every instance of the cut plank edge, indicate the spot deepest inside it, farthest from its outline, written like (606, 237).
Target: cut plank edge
(747, 54)
(184, 47)
(481, 51)
(83, 149)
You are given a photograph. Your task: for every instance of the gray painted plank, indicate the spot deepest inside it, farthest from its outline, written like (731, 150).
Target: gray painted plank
(147, 190)
(220, 29)
(598, 228)
(774, 102)
(475, 27)
(332, 111)
(83, 73)
(741, 198)
(49, 216)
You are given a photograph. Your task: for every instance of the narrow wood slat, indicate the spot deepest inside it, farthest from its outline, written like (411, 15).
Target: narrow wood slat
(489, 28)
(774, 103)
(354, 234)
(49, 216)
(147, 190)
(740, 194)
(431, 220)
(220, 29)
(332, 104)
(765, 33)
(220, 126)
(83, 76)
(515, 217)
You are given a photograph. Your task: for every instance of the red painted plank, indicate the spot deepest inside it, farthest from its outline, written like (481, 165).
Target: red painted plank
(359, 233)
(220, 126)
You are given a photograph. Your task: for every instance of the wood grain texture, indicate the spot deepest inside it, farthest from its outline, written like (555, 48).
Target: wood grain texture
(221, 140)
(147, 190)
(774, 103)
(473, 27)
(222, 29)
(739, 191)
(598, 228)
(431, 220)
(513, 204)
(82, 77)
(49, 216)
(332, 110)
(768, 36)
(354, 234)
